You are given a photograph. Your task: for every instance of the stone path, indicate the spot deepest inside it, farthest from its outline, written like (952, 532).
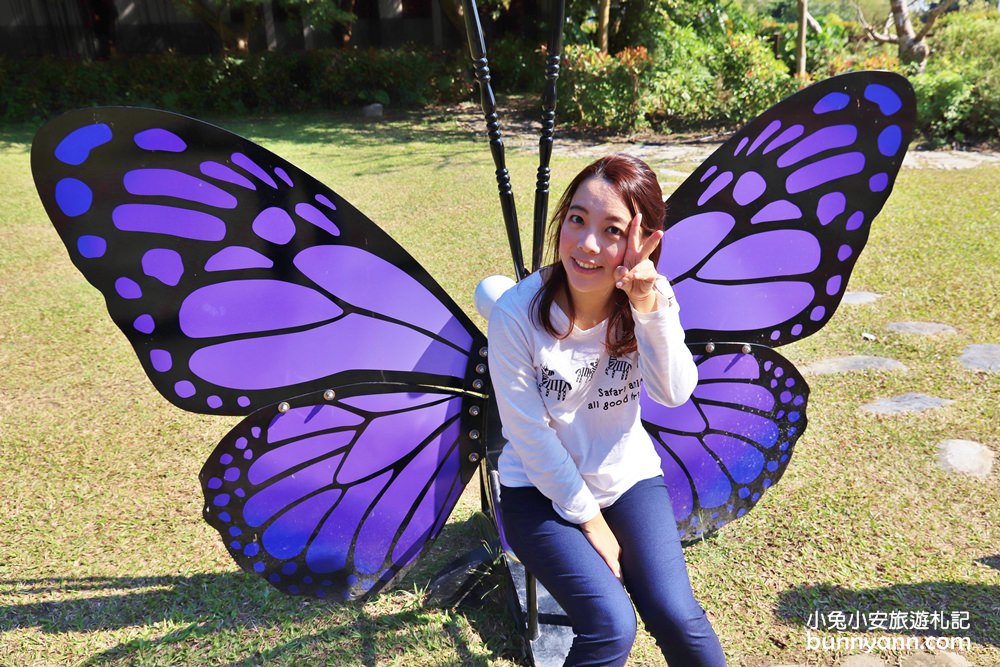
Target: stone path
(965, 457)
(520, 131)
(912, 402)
(860, 298)
(857, 362)
(981, 358)
(921, 328)
(940, 659)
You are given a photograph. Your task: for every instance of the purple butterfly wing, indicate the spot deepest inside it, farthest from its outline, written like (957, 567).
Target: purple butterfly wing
(760, 241)
(732, 439)
(238, 279)
(759, 245)
(339, 494)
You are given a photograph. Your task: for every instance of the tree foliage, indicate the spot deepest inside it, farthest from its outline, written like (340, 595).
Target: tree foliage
(668, 65)
(219, 15)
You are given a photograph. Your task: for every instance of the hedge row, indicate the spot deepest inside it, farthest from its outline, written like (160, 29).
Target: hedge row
(958, 95)
(693, 83)
(39, 88)
(688, 80)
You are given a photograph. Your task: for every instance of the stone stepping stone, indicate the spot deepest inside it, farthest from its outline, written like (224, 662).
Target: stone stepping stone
(965, 457)
(942, 659)
(912, 402)
(860, 298)
(862, 661)
(921, 328)
(984, 357)
(857, 362)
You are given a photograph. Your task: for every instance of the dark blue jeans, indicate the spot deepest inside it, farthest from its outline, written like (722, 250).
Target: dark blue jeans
(653, 570)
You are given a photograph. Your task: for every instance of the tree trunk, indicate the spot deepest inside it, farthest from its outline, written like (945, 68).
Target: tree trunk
(342, 32)
(455, 14)
(912, 48)
(800, 43)
(911, 44)
(213, 17)
(603, 23)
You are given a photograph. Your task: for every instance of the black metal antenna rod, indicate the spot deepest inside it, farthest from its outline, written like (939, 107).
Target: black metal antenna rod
(477, 48)
(552, 61)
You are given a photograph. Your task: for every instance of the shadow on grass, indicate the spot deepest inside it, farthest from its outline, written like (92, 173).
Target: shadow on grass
(318, 128)
(15, 136)
(982, 602)
(991, 561)
(218, 609)
(237, 612)
(430, 141)
(485, 599)
(121, 602)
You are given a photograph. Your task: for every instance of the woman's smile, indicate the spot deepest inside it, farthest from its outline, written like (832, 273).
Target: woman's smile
(585, 265)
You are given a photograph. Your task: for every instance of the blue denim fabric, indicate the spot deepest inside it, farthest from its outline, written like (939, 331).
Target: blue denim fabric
(599, 607)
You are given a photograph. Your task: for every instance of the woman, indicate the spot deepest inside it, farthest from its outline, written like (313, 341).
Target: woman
(583, 501)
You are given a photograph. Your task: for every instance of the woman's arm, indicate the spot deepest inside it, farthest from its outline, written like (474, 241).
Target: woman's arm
(546, 462)
(668, 370)
(599, 534)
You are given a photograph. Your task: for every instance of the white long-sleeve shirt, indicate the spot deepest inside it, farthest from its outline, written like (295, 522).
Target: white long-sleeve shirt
(570, 411)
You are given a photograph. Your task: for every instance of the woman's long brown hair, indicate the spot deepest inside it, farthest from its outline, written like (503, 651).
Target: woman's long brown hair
(636, 184)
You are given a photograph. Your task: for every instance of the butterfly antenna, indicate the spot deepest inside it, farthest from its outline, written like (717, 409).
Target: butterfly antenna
(552, 60)
(477, 47)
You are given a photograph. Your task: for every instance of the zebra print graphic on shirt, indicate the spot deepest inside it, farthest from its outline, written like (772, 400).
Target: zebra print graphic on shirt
(550, 383)
(618, 366)
(586, 373)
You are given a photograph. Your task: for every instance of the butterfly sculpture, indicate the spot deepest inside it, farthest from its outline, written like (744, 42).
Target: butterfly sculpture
(246, 287)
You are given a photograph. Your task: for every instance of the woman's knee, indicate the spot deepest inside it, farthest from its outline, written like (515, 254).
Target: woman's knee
(673, 614)
(618, 626)
(605, 633)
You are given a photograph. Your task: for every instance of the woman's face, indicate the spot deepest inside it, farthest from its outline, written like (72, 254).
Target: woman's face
(592, 240)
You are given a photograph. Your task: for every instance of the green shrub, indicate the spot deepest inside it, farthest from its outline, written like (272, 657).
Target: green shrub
(683, 88)
(958, 94)
(517, 65)
(691, 79)
(824, 49)
(41, 87)
(752, 79)
(944, 99)
(604, 91)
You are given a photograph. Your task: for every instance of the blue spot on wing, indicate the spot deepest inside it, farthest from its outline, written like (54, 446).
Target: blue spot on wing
(75, 147)
(889, 140)
(73, 196)
(157, 139)
(887, 100)
(832, 102)
(91, 247)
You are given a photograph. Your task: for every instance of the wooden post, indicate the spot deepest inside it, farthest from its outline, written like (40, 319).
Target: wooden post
(603, 24)
(800, 46)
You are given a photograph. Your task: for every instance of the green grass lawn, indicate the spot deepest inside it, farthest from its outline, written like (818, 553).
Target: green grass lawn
(104, 557)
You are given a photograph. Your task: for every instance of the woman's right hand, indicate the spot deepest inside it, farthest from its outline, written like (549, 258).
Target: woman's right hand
(599, 534)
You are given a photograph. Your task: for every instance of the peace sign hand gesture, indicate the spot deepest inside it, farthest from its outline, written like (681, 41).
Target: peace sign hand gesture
(637, 275)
